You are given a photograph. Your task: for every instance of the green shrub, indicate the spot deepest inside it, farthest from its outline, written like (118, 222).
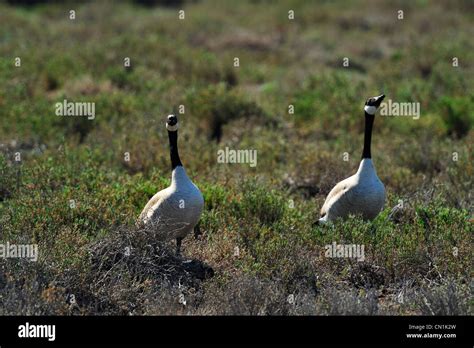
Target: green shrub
(217, 106)
(266, 206)
(458, 115)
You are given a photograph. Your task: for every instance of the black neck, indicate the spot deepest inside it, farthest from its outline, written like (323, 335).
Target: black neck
(175, 161)
(369, 122)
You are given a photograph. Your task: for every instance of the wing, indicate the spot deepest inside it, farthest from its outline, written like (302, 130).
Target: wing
(162, 217)
(152, 204)
(339, 197)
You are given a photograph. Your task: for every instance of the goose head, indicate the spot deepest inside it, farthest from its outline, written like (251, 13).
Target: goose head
(172, 123)
(372, 104)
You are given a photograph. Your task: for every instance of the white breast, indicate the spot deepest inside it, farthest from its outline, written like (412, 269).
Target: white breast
(174, 211)
(363, 193)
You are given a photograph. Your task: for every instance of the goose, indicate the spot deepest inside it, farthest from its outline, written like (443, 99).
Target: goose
(362, 193)
(175, 211)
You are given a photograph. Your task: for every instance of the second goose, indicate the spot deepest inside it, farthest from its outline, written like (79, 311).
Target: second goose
(363, 193)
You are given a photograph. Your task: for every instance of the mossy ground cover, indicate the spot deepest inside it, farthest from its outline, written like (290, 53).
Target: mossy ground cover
(76, 195)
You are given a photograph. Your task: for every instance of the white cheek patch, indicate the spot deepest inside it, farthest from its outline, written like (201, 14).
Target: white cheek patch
(172, 128)
(370, 109)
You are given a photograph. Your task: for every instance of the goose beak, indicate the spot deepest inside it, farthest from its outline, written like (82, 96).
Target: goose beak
(172, 123)
(378, 100)
(374, 102)
(172, 120)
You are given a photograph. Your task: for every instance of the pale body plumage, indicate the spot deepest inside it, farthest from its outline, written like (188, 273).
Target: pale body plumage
(174, 212)
(363, 193)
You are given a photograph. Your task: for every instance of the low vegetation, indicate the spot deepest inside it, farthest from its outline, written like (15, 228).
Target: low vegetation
(74, 192)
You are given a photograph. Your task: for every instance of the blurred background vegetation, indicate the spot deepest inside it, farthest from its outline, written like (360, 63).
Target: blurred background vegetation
(417, 262)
